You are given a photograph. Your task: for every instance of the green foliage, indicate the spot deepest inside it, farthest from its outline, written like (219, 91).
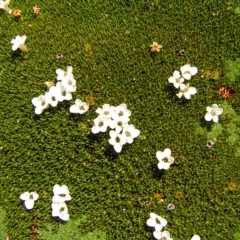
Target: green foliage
(237, 10)
(107, 43)
(233, 70)
(3, 227)
(73, 229)
(236, 236)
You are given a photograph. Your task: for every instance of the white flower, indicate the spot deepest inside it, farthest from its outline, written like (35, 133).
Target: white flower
(188, 71)
(156, 221)
(61, 194)
(19, 42)
(130, 132)
(176, 79)
(213, 112)
(4, 4)
(165, 159)
(121, 113)
(63, 93)
(100, 124)
(196, 237)
(106, 111)
(63, 75)
(118, 124)
(117, 140)
(79, 107)
(69, 83)
(40, 103)
(60, 210)
(52, 96)
(29, 199)
(186, 91)
(165, 235)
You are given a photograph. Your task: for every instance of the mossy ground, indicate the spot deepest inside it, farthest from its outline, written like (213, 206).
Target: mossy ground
(107, 43)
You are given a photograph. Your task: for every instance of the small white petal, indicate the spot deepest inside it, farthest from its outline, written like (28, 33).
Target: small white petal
(208, 117)
(29, 204)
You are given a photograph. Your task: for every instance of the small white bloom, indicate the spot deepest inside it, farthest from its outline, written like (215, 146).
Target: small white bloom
(118, 124)
(79, 107)
(100, 124)
(106, 111)
(176, 79)
(63, 75)
(29, 199)
(130, 132)
(188, 71)
(69, 83)
(186, 91)
(61, 194)
(117, 140)
(52, 96)
(213, 112)
(19, 42)
(60, 210)
(4, 4)
(121, 113)
(40, 103)
(64, 94)
(196, 237)
(165, 235)
(165, 159)
(156, 221)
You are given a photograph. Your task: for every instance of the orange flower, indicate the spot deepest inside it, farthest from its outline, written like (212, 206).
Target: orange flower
(155, 47)
(17, 13)
(36, 10)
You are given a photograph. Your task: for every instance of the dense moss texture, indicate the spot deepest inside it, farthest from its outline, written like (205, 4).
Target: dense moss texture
(107, 43)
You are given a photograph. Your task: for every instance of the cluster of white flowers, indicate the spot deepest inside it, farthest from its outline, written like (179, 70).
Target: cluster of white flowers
(165, 159)
(116, 118)
(178, 81)
(59, 207)
(62, 91)
(4, 5)
(29, 198)
(158, 223)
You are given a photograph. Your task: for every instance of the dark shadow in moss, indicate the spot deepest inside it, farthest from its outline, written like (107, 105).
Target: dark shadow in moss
(157, 173)
(207, 125)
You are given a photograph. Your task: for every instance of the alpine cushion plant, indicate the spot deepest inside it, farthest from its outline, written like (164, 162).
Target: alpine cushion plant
(165, 159)
(213, 112)
(19, 42)
(29, 199)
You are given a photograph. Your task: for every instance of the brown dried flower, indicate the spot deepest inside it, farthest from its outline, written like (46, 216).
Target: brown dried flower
(36, 10)
(155, 47)
(49, 84)
(17, 13)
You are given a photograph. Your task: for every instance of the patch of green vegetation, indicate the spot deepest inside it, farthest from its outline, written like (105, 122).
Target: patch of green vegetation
(71, 230)
(233, 70)
(107, 43)
(3, 227)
